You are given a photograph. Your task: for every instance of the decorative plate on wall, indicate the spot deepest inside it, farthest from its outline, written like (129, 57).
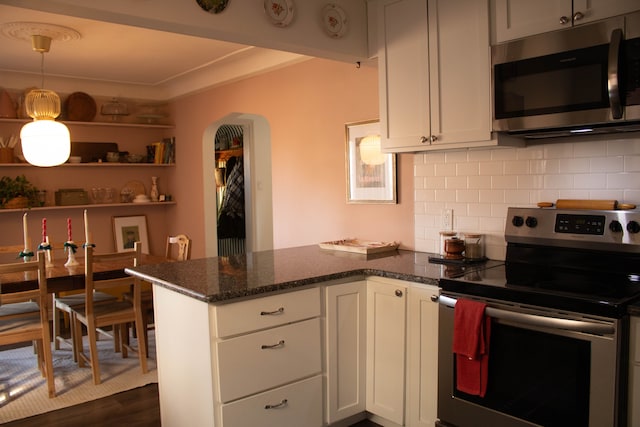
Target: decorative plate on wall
(80, 107)
(213, 6)
(280, 12)
(335, 20)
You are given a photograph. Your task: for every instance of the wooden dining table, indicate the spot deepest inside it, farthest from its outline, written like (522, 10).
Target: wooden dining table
(61, 278)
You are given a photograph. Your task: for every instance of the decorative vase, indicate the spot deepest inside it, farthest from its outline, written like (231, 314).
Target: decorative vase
(154, 189)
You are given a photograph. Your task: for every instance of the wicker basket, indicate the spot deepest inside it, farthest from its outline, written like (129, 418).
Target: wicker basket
(19, 202)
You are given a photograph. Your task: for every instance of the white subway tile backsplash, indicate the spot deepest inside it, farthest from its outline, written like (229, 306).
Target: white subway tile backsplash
(623, 147)
(526, 182)
(607, 164)
(516, 167)
(558, 181)
(492, 168)
(468, 168)
(467, 196)
(479, 185)
(632, 163)
(456, 182)
(502, 182)
(629, 180)
(590, 181)
(590, 149)
(455, 156)
(445, 169)
(581, 165)
(558, 151)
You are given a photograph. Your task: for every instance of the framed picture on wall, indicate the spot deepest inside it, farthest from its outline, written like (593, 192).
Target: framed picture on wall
(371, 174)
(130, 229)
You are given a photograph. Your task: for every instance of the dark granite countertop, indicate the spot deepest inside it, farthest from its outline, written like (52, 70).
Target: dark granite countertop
(220, 279)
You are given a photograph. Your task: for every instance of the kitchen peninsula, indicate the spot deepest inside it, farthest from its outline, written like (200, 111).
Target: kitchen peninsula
(297, 336)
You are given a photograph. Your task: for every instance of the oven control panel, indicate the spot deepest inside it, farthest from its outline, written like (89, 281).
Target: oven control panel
(616, 230)
(580, 224)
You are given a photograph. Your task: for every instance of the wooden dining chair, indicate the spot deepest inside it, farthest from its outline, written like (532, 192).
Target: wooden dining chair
(63, 304)
(178, 248)
(30, 328)
(116, 314)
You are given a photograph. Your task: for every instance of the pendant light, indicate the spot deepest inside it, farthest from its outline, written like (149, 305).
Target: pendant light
(45, 142)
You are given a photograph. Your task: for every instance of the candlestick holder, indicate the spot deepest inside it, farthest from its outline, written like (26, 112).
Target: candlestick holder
(46, 247)
(26, 255)
(71, 247)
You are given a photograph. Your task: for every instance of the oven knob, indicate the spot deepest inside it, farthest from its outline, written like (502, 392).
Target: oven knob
(531, 222)
(517, 221)
(633, 227)
(615, 226)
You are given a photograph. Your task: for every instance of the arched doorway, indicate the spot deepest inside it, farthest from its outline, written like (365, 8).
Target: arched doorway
(256, 159)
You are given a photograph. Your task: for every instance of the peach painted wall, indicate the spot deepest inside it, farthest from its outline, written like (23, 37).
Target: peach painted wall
(306, 106)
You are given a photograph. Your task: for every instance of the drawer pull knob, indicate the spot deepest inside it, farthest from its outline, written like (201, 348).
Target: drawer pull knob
(266, 347)
(272, 313)
(282, 403)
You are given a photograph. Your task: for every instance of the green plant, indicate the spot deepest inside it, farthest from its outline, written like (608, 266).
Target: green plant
(20, 186)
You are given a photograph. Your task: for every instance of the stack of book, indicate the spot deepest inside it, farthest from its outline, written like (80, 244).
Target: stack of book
(163, 152)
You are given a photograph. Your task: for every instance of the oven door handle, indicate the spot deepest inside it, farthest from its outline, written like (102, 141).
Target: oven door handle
(543, 321)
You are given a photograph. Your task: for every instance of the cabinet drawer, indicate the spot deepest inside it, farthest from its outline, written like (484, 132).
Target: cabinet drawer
(266, 312)
(247, 366)
(303, 407)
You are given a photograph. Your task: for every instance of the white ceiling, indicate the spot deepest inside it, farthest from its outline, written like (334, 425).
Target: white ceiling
(154, 62)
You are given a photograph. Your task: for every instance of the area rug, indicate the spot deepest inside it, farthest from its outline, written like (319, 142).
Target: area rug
(23, 391)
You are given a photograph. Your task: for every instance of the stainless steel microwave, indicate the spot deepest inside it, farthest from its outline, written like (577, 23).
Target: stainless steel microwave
(584, 79)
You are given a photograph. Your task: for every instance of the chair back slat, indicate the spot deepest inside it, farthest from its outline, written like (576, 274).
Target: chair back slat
(93, 284)
(31, 270)
(183, 247)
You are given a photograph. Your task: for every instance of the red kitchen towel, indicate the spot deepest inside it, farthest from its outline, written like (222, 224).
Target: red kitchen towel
(471, 333)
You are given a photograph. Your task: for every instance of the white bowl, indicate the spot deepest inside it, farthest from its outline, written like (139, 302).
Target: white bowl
(75, 159)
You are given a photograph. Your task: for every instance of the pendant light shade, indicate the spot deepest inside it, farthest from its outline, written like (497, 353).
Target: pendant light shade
(45, 142)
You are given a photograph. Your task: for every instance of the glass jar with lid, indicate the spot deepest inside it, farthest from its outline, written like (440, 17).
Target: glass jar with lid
(474, 246)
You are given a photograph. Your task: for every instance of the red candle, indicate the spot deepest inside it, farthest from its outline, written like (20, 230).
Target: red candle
(44, 229)
(69, 229)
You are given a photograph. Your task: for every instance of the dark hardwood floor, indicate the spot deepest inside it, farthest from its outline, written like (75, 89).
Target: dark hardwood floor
(135, 408)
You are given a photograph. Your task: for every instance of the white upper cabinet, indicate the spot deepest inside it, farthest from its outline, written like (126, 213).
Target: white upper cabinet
(514, 19)
(434, 74)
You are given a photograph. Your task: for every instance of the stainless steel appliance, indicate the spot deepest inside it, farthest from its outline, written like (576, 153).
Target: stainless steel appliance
(559, 324)
(580, 80)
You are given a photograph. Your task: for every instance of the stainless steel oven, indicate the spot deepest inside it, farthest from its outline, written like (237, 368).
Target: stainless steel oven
(559, 328)
(547, 368)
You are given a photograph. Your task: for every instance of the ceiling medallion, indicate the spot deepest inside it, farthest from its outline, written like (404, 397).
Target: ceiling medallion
(24, 31)
(213, 6)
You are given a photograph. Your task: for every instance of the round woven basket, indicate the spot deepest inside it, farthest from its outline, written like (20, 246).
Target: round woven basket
(17, 203)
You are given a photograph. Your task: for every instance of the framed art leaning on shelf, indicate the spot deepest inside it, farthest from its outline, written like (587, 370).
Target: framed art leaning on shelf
(130, 229)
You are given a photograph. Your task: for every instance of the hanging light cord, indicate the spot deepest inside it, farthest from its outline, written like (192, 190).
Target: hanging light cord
(42, 70)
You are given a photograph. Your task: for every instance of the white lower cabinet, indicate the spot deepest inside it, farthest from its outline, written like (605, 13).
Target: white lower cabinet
(378, 341)
(381, 351)
(386, 328)
(346, 309)
(297, 404)
(634, 372)
(422, 356)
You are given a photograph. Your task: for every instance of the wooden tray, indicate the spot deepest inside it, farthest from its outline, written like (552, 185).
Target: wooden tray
(359, 246)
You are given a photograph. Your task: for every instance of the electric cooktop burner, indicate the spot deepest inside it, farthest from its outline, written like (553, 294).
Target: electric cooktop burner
(577, 260)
